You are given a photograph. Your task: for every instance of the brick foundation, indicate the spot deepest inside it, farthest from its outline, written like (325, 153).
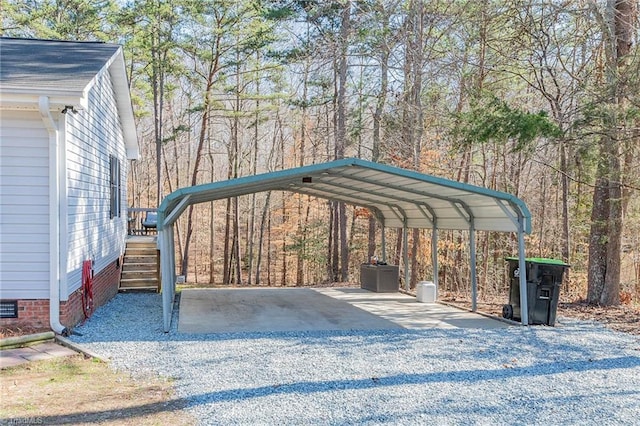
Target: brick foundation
(35, 313)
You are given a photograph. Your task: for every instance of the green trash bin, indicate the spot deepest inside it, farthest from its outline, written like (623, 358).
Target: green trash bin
(544, 278)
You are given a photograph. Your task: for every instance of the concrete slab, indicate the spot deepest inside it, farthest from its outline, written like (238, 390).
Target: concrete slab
(38, 352)
(304, 309)
(11, 361)
(38, 356)
(270, 309)
(55, 349)
(406, 311)
(13, 357)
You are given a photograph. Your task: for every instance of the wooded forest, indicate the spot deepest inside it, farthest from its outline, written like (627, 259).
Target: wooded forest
(537, 98)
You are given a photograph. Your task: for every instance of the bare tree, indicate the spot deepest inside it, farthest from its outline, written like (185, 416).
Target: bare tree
(618, 25)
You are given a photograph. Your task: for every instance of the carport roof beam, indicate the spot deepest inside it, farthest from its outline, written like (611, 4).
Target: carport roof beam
(353, 199)
(367, 201)
(173, 215)
(401, 189)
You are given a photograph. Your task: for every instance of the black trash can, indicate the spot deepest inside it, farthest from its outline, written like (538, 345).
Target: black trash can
(544, 278)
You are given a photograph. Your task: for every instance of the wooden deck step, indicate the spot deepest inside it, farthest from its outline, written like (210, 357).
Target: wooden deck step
(131, 283)
(140, 267)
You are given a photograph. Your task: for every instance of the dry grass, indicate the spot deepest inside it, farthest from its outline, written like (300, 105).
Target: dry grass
(20, 331)
(79, 391)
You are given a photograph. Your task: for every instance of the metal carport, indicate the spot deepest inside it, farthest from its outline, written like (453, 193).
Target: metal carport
(398, 198)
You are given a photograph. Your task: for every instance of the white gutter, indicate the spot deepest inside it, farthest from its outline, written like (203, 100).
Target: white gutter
(54, 227)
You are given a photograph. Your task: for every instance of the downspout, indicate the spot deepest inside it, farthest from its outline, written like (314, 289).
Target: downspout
(54, 229)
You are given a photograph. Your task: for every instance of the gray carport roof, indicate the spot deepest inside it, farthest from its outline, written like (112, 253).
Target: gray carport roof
(397, 197)
(391, 193)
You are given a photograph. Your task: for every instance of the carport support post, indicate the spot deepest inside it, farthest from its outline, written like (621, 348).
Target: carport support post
(405, 248)
(472, 259)
(434, 255)
(167, 264)
(522, 267)
(164, 286)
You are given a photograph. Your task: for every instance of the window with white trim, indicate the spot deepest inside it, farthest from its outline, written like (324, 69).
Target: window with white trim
(114, 187)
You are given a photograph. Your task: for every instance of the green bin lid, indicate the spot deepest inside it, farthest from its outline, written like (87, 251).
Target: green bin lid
(541, 260)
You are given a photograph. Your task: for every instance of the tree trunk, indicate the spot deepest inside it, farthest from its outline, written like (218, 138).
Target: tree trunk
(414, 257)
(597, 268)
(236, 240)
(344, 247)
(194, 177)
(341, 133)
(334, 241)
(212, 71)
(226, 271)
(566, 235)
(212, 243)
(606, 230)
(263, 221)
(381, 101)
(254, 171)
(283, 281)
(397, 256)
(303, 141)
(157, 78)
(269, 241)
(371, 246)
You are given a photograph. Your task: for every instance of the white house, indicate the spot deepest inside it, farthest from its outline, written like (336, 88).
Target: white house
(66, 134)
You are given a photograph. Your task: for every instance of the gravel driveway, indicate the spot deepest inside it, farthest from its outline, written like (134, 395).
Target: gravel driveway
(575, 373)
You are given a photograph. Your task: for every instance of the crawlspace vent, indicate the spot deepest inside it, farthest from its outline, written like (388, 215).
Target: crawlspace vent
(9, 309)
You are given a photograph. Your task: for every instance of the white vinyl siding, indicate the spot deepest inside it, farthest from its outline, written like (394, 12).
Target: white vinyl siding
(92, 137)
(24, 206)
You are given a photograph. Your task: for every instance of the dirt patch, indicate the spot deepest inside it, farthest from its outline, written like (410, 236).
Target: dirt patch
(621, 318)
(624, 318)
(79, 391)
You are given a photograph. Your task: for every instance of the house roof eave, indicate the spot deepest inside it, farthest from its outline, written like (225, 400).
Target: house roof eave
(65, 72)
(27, 99)
(120, 82)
